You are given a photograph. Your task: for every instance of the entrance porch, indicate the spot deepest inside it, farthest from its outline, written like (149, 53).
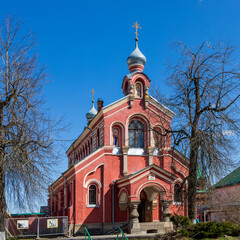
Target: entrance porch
(141, 213)
(147, 196)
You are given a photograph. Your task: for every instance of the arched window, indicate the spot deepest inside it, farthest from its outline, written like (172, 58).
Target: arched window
(86, 149)
(115, 137)
(156, 139)
(136, 134)
(92, 194)
(98, 139)
(177, 193)
(84, 152)
(89, 150)
(91, 147)
(157, 136)
(81, 153)
(138, 90)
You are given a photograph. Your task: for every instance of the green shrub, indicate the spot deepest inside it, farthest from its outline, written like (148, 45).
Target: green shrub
(180, 221)
(211, 230)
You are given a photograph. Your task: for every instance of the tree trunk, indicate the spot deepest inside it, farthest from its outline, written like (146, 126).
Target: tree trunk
(3, 206)
(194, 146)
(192, 182)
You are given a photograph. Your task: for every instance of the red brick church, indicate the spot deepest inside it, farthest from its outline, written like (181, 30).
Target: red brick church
(122, 169)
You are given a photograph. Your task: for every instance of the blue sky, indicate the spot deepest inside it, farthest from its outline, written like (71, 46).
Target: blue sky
(84, 45)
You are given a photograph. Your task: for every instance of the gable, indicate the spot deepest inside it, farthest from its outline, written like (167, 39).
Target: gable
(147, 171)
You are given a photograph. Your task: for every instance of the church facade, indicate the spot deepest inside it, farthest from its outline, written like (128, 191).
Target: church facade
(122, 169)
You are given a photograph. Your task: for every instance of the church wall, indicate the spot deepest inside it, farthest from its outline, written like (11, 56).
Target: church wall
(123, 114)
(158, 160)
(178, 209)
(119, 215)
(136, 162)
(83, 145)
(112, 170)
(84, 212)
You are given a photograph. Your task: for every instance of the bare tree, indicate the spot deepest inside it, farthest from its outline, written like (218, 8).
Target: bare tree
(26, 131)
(206, 91)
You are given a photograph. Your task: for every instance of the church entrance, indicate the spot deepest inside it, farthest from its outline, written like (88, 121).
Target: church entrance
(145, 208)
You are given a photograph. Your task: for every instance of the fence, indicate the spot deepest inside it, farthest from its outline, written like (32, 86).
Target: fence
(37, 226)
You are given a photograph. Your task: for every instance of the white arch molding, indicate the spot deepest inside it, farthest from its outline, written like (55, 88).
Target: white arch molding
(98, 196)
(93, 180)
(151, 183)
(84, 180)
(118, 124)
(145, 120)
(123, 189)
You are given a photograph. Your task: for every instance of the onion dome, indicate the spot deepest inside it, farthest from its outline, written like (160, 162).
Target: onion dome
(136, 60)
(91, 114)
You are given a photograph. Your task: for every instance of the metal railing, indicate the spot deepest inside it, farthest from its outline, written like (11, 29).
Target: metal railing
(87, 235)
(121, 232)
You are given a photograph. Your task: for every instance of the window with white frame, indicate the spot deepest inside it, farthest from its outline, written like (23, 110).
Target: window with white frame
(138, 88)
(92, 195)
(177, 194)
(115, 137)
(136, 134)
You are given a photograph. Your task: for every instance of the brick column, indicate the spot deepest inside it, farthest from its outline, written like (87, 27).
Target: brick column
(150, 155)
(166, 212)
(125, 164)
(133, 223)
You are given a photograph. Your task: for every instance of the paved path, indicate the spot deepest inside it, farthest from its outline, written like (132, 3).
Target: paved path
(110, 237)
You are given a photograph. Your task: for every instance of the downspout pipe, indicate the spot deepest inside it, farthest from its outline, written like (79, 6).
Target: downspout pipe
(74, 207)
(65, 191)
(51, 201)
(113, 204)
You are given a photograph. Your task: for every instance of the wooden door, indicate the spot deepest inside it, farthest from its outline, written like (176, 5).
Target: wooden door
(148, 211)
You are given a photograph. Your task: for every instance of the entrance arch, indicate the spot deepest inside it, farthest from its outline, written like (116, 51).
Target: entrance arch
(148, 201)
(142, 206)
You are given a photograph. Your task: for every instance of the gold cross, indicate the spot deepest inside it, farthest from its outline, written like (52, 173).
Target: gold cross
(93, 92)
(136, 25)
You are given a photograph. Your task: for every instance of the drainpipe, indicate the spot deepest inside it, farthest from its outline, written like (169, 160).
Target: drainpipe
(74, 206)
(64, 190)
(113, 204)
(51, 200)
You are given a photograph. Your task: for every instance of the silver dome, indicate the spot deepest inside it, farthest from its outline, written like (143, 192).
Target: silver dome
(136, 57)
(92, 112)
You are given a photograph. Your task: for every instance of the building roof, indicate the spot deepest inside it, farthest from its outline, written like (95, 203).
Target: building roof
(231, 179)
(27, 214)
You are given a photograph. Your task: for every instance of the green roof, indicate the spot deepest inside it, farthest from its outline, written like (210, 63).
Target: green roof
(23, 214)
(231, 179)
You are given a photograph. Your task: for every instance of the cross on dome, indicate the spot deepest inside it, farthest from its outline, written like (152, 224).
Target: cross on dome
(136, 60)
(93, 92)
(136, 25)
(91, 114)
